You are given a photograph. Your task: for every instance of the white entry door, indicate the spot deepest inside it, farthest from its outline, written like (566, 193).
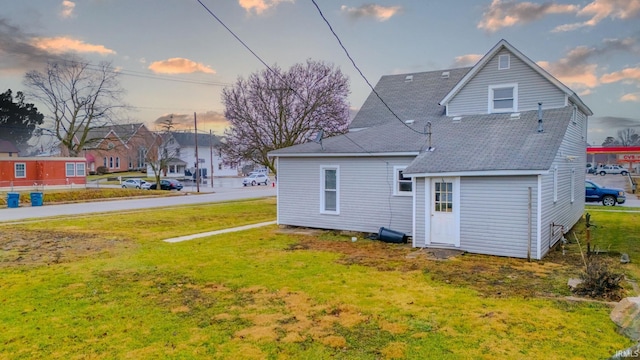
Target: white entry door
(444, 211)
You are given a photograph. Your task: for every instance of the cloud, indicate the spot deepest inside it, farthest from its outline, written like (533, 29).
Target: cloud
(629, 75)
(633, 97)
(602, 9)
(179, 66)
(577, 70)
(467, 60)
(62, 44)
(260, 6)
(213, 120)
(379, 12)
(18, 54)
(510, 13)
(67, 9)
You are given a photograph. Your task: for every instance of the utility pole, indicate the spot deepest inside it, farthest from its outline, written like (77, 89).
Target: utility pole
(195, 124)
(211, 154)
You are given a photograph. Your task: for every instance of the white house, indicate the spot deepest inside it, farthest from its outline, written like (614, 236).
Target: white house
(488, 159)
(181, 148)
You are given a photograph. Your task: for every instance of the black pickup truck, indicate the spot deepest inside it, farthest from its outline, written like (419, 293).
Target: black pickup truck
(609, 197)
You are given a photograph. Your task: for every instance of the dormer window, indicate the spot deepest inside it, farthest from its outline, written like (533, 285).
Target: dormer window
(504, 62)
(503, 98)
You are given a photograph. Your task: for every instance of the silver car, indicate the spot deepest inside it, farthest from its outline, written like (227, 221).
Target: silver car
(133, 183)
(255, 179)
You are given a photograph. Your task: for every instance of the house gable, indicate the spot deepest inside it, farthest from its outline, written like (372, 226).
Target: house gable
(505, 67)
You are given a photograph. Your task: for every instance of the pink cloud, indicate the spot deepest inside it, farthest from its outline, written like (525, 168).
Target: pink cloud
(260, 6)
(379, 12)
(510, 13)
(61, 44)
(179, 66)
(599, 10)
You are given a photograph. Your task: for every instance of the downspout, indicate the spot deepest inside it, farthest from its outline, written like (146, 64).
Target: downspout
(530, 208)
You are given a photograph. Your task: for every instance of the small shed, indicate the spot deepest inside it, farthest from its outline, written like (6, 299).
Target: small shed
(38, 171)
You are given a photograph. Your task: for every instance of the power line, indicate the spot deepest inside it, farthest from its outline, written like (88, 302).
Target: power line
(360, 71)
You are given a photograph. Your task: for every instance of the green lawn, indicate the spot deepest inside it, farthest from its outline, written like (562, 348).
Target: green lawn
(108, 287)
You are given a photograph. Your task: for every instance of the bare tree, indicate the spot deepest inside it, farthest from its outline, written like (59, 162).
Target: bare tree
(273, 109)
(628, 137)
(79, 97)
(159, 160)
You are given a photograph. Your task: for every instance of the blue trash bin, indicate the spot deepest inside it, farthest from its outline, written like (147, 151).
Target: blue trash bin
(36, 199)
(13, 199)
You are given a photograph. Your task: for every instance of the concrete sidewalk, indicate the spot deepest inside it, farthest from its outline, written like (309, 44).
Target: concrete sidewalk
(216, 232)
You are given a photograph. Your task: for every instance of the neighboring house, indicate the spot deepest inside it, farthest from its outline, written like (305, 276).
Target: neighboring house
(181, 148)
(466, 164)
(37, 171)
(8, 149)
(120, 147)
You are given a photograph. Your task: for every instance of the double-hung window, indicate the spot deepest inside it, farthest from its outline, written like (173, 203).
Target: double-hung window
(330, 190)
(403, 184)
(20, 170)
(70, 169)
(80, 169)
(503, 98)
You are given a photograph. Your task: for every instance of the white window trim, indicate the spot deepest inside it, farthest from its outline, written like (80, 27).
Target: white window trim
(70, 166)
(81, 169)
(555, 184)
(500, 57)
(515, 98)
(573, 185)
(396, 182)
(323, 168)
(15, 170)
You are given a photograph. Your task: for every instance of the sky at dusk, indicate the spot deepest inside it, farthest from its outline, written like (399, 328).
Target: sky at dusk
(174, 57)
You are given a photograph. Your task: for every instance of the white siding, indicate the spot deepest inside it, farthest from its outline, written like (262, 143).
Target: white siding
(366, 194)
(494, 215)
(419, 236)
(570, 157)
(532, 88)
(188, 155)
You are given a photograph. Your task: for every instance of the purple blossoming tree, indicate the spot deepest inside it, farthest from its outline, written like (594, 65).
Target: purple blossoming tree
(275, 109)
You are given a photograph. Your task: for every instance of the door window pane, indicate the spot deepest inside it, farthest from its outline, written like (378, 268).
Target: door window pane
(443, 197)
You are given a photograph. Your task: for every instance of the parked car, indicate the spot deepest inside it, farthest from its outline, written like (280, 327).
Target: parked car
(612, 169)
(255, 179)
(167, 184)
(133, 183)
(146, 186)
(608, 196)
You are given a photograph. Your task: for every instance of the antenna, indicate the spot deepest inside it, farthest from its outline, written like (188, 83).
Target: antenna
(318, 138)
(427, 130)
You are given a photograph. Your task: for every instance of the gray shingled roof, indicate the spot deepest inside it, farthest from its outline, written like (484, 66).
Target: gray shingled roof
(494, 142)
(408, 99)
(485, 142)
(188, 139)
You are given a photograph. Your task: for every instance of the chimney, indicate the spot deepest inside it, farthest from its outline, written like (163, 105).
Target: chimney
(540, 129)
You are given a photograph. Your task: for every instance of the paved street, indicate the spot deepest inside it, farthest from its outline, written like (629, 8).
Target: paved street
(189, 197)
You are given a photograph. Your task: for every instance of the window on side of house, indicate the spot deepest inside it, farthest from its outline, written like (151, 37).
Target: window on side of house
(330, 190)
(573, 185)
(503, 98)
(118, 162)
(80, 169)
(70, 169)
(104, 161)
(110, 162)
(20, 170)
(403, 184)
(504, 62)
(555, 184)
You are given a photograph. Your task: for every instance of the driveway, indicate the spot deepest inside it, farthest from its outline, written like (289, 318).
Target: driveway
(221, 194)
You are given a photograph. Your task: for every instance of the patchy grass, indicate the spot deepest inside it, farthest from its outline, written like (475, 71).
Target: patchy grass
(269, 293)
